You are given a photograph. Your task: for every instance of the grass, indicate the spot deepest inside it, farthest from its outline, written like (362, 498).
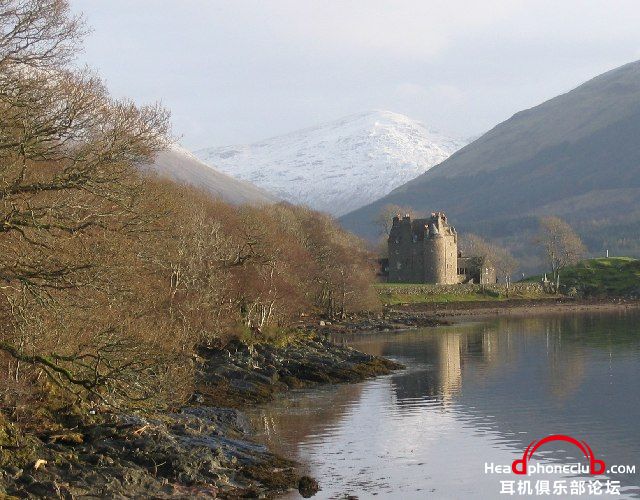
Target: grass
(444, 298)
(392, 294)
(604, 277)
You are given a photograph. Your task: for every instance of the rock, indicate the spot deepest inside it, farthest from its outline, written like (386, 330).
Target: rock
(14, 471)
(308, 487)
(26, 479)
(47, 489)
(322, 323)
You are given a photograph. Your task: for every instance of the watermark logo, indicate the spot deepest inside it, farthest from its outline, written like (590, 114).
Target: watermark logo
(571, 486)
(521, 465)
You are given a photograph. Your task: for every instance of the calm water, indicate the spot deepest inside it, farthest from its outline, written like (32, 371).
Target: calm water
(472, 394)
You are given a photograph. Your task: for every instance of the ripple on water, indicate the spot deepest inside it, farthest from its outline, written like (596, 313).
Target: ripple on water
(471, 394)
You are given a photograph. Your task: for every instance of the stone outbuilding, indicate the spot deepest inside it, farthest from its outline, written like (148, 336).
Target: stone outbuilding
(476, 270)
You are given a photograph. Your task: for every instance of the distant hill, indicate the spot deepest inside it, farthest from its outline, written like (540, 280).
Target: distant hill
(338, 166)
(611, 277)
(576, 156)
(180, 165)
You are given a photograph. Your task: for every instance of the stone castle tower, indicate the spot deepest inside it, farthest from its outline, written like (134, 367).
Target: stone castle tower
(423, 250)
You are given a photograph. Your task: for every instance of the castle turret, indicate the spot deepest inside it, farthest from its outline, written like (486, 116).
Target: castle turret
(435, 258)
(440, 251)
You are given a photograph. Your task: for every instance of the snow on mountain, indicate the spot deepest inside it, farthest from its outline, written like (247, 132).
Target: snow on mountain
(338, 166)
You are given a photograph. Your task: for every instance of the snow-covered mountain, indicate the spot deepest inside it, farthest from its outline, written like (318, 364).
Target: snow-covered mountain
(180, 165)
(338, 166)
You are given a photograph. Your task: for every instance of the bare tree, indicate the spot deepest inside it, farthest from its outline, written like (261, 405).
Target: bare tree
(501, 259)
(68, 190)
(344, 271)
(384, 219)
(560, 245)
(67, 164)
(38, 33)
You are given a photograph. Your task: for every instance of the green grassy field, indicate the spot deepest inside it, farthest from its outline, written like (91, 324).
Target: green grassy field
(606, 277)
(613, 277)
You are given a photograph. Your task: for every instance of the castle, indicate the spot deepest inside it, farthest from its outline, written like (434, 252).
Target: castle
(426, 251)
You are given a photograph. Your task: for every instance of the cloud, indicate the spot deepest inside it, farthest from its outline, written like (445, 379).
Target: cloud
(405, 28)
(440, 92)
(238, 71)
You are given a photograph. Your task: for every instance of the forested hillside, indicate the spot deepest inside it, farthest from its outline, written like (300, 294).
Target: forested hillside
(110, 279)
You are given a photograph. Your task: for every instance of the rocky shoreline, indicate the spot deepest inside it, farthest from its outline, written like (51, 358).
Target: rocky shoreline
(391, 319)
(204, 450)
(241, 374)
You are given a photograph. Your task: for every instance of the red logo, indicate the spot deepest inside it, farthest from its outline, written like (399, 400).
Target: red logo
(520, 466)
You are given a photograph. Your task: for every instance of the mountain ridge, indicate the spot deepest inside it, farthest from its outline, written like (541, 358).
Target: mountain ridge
(339, 165)
(181, 165)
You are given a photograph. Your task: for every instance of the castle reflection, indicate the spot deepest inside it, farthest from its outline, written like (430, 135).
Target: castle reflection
(504, 381)
(529, 377)
(468, 355)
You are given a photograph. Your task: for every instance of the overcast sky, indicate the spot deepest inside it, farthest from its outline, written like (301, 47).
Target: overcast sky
(235, 71)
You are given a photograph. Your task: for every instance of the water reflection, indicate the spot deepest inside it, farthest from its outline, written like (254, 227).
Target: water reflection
(472, 393)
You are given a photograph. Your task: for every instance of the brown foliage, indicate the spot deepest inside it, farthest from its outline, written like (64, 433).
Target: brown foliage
(250, 268)
(68, 196)
(109, 280)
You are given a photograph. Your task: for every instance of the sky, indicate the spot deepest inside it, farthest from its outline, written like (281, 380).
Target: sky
(238, 71)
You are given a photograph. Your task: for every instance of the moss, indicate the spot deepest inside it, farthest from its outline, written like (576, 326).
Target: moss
(16, 448)
(307, 486)
(276, 474)
(223, 394)
(377, 366)
(293, 382)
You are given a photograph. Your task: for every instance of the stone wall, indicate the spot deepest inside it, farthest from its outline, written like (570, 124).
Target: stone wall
(462, 289)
